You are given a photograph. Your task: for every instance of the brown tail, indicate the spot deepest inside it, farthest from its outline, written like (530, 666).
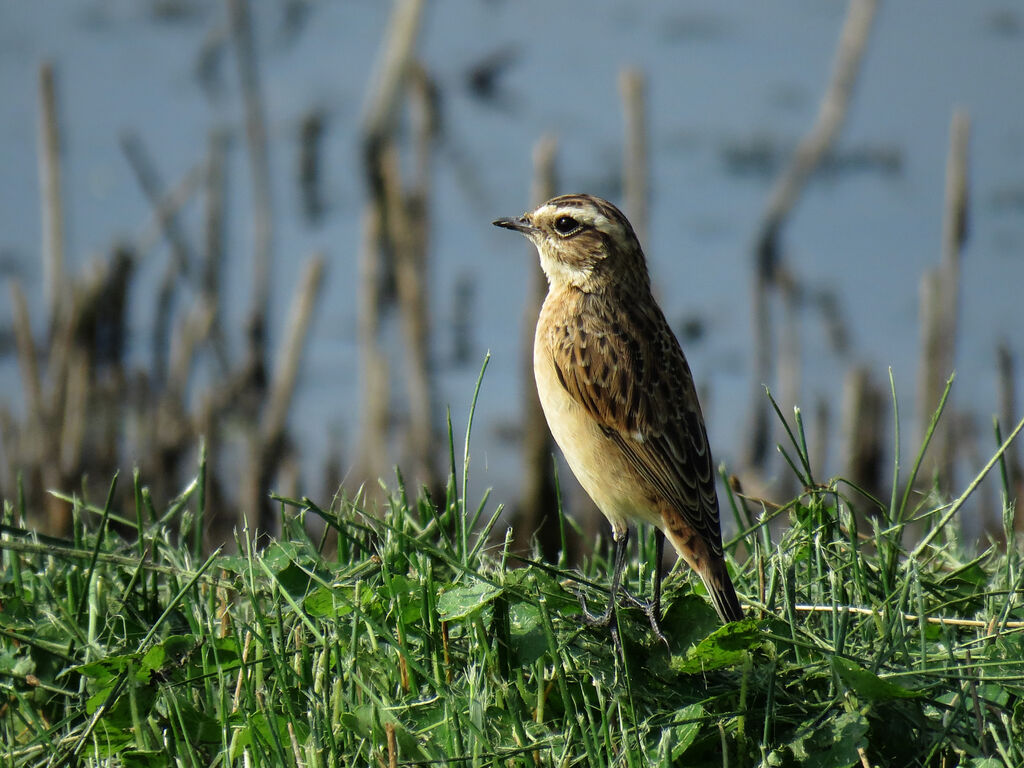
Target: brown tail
(693, 548)
(723, 596)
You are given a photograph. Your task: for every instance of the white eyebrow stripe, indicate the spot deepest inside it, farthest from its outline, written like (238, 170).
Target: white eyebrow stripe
(598, 221)
(586, 214)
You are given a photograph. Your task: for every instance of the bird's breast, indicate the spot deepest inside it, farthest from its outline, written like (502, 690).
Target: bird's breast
(594, 458)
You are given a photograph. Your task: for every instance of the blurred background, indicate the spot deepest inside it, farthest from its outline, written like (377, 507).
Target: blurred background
(268, 224)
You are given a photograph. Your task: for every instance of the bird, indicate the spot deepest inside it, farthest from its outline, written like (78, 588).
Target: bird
(619, 397)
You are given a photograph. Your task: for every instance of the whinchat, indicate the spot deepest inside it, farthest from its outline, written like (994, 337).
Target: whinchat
(618, 394)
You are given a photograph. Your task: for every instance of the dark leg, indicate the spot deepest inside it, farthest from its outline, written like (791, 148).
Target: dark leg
(653, 609)
(607, 619)
(654, 614)
(620, 562)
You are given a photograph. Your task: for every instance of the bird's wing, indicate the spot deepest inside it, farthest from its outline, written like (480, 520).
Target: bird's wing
(630, 375)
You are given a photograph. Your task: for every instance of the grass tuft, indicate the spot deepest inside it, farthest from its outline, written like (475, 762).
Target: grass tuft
(414, 640)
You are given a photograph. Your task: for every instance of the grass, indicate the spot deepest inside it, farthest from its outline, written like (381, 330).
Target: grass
(414, 640)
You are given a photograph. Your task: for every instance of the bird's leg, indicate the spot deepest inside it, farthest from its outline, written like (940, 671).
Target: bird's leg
(653, 608)
(659, 553)
(621, 539)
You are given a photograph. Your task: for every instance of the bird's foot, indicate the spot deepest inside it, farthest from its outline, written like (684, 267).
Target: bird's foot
(606, 619)
(652, 610)
(592, 620)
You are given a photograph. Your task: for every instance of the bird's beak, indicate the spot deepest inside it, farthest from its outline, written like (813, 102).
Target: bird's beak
(519, 224)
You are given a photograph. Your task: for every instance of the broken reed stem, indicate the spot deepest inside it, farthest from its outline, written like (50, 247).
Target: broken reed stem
(193, 329)
(165, 223)
(954, 221)
(407, 217)
(1007, 415)
(179, 264)
(38, 450)
(311, 134)
(861, 434)
(538, 501)
(289, 353)
(423, 102)
(77, 419)
(406, 234)
(831, 115)
(163, 313)
(154, 190)
(168, 206)
(909, 616)
(213, 215)
(633, 87)
(268, 451)
(31, 383)
(939, 308)
(62, 341)
(783, 196)
(213, 241)
(259, 171)
(376, 386)
(383, 101)
(254, 505)
(76, 400)
(391, 69)
(51, 202)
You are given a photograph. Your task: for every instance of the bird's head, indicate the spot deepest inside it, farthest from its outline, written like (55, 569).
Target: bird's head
(584, 242)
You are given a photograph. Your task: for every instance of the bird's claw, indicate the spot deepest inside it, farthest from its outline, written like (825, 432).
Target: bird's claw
(592, 620)
(650, 609)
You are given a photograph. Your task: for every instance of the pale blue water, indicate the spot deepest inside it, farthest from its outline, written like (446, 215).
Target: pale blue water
(720, 75)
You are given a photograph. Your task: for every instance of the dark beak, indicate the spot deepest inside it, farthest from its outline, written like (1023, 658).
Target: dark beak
(519, 224)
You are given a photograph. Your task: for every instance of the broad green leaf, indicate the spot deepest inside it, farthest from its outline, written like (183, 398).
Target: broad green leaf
(97, 699)
(685, 727)
(329, 602)
(104, 670)
(688, 620)
(458, 603)
(233, 564)
(528, 640)
(724, 647)
(154, 657)
(867, 684)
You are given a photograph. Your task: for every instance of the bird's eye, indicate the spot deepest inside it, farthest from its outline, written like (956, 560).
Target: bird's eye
(566, 225)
